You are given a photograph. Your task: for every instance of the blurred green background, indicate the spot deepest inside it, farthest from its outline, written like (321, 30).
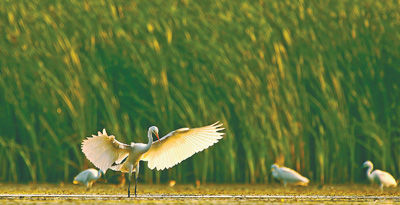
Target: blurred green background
(310, 84)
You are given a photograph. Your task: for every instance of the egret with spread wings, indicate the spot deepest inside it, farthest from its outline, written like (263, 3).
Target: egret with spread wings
(105, 152)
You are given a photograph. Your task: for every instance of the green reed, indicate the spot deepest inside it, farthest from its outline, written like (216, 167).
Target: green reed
(312, 85)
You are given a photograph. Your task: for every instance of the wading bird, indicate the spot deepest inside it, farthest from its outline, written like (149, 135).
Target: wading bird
(288, 175)
(384, 179)
(105, 152)
(87, 177)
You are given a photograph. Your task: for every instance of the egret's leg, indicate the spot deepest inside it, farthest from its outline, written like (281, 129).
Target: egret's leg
(284, 183)
(136, 177)
(130, 169)
(135, 183)
(129, 183)
(129, 186)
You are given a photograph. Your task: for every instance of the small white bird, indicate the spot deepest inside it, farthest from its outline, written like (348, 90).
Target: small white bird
(288, 175)
(105, 152)
(384, 179)
(87, 177)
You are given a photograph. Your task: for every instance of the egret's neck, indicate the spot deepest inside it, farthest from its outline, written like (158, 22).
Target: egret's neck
(275, 173)
(150, 136)
(369, 170)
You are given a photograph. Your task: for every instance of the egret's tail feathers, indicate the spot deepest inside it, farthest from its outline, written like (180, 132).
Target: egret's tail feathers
(303, 181)
(75, 182)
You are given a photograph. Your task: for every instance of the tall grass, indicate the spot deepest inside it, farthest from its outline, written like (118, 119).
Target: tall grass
(313, 85)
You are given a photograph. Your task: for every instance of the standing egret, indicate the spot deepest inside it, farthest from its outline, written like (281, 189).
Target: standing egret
(384, 179)
(288, 175)
(105, 152)
(87, 177)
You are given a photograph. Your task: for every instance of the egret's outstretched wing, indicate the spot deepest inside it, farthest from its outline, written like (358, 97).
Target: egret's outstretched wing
(103, 150)
(180, 144)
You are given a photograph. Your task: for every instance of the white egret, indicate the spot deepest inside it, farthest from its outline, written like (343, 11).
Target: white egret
(288, 175)
(384, 179)
(87, 177)
(105, 152)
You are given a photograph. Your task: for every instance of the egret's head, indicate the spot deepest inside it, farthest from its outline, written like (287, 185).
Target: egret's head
(154, 130)
(367, 164)
(274, 166)
(274, 170)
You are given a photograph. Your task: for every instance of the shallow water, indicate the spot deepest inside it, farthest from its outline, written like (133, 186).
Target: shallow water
(204, 194)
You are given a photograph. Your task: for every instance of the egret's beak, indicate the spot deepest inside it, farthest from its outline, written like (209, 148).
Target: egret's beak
(157, 136)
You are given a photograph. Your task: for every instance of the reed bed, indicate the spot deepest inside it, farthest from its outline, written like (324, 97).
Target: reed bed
(313, 85)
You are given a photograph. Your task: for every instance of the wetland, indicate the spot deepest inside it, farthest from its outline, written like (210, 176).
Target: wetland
(204, 194)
